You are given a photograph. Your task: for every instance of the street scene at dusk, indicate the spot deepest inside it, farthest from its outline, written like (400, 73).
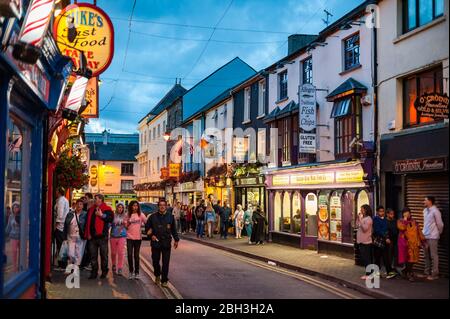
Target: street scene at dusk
(236, 151)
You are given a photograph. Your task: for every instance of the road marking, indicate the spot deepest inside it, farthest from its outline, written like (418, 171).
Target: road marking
(170, 292)
(330, 288)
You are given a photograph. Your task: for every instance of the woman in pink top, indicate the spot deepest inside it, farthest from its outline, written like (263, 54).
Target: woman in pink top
(364, 236)
(134, 237)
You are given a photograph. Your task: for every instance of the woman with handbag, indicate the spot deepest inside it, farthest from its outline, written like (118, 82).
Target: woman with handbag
(364, 237)
(380, 236)
(410, 239)
(118, 239)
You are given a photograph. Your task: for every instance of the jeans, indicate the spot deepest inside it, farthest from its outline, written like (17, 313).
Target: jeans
(392, 255)
(366, 255)
(59, 238)
(177, 224)
(133, 249)
(382, 253)
(200, 226)
(432, 258)
(157, 252)
(183, 225)
(118, 251)
(96, 245)
(248, 229)
(224, 229)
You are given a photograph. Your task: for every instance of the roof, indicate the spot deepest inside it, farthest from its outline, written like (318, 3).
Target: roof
(113, 151)
(349, 85)
(214, 85)
(175, 92)
(112, 138)
(278, 113)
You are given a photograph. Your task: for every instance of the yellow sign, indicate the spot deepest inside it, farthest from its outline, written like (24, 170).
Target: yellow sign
(312, 179)
(280, 180)
(174, 170)
(91, 110)
(87, 28)
(94, 177)
(353, 176)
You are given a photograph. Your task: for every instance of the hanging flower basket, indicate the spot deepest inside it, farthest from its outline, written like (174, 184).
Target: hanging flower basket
(71, 171)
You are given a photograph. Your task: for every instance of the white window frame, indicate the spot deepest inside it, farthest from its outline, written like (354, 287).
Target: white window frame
(261, 98)
(247, 103)
(261, 152)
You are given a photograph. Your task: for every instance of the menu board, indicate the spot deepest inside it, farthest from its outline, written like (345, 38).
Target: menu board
(323, 228)
(335, 218)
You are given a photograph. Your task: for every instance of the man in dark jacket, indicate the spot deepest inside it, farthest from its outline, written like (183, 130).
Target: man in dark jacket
(225, 217)
(96, 232)
(391, 241)
(160, 228)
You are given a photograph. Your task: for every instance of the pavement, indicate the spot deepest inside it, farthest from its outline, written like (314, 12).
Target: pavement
(332, 268)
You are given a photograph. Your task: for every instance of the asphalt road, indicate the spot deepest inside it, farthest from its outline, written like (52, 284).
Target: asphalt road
(201, 272)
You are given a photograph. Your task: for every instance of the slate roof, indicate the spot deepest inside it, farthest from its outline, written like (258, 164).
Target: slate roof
(113, 151)
(175, 92)
(349, 85)
(278, 113)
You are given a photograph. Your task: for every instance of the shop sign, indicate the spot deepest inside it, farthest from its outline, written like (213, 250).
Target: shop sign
(248, 181)
(281, 180)
(307, 109)
(93, 174)
(312, 179)
(174, 169)
(432, 105)
(91, 98)
(187, 186)
(85, 28)
(421, 165)
(354, 176)
(164, 173)
(307, 143)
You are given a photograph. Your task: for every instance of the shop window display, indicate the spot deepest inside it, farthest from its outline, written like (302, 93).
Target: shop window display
(335, 217)
(297, 212)
(323, 224)
(286, 213)
(311, 215)
(277, 212)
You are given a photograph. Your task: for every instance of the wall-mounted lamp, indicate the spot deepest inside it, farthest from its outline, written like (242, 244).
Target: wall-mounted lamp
(103, 164)
(166, 136)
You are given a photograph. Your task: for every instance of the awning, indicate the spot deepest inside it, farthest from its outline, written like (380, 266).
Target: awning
(341, 108)
(350, 86)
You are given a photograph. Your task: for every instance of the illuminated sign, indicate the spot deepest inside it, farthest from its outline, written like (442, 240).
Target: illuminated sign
(91, 97)
(87, 28)
(174, 169)
(350, 176)
(280, 180)
(312, 179)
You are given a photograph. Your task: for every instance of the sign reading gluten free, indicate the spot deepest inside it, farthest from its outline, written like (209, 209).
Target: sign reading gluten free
(87, 28)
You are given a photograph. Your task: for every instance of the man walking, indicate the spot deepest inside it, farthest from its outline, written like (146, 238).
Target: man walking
(160, 227)
(61, 211)
(225, 217)
(432, 230)
(96, 231)
(177, 215)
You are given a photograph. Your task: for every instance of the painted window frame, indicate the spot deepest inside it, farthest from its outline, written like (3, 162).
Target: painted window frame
(418, 23)
(247, 103)
(307, 73)
(283, 85)
(261, 97)
(351, 125)
(125, 171)
(354, 50)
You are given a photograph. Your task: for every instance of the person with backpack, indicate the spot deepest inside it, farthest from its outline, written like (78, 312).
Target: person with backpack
(74, 233)
(200, 217)
(161, 228)
(133, 223)
(118, 239)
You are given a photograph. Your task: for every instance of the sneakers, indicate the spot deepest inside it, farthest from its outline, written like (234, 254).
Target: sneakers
(165, 284)
(136, 276)
(119, 272)
(391, 275)
(158, 280)
(131, 276)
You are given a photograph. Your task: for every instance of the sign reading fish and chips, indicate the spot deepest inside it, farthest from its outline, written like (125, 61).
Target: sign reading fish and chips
(85, 28)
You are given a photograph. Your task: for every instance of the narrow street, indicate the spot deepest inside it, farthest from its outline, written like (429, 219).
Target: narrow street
(201, 272)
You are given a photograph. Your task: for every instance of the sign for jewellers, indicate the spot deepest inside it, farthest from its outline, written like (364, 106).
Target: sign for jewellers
(421, 165)
(432, 105)
(85, 28)
(307, 118)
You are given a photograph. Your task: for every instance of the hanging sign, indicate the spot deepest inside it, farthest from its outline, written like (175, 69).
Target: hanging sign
(174, 169)
(87, 28)
(307, 143)
(307, 110)
(36, 22)
(77, 93)
(91, 97)
(432, 105)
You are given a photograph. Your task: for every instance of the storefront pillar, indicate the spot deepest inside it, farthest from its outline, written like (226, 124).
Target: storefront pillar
(49, 221)
(303, 225)
(271, 213)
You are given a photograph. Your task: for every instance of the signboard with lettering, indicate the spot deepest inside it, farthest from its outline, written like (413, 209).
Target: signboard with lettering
(354, 176)
(307, 118)
(164, 173)
(307, 143)
(432, 105)
(91, 98)
(422, 165)
(280, 180)
(85, 28)
(312, 179)
(174, 169)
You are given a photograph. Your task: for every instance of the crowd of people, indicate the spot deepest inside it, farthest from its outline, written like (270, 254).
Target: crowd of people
(395, 244)
(91, 229)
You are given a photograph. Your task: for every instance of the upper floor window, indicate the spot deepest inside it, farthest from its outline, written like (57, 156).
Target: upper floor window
(414, 87)
(154, 133)
(164, 127)
(307, 71)
(351, 52)
(417, 13)
(145, 138)
(282, 85)
(126, 169)
(126, 186)
(159, 130)
(158, 165)
(262, 98)
(247, 99)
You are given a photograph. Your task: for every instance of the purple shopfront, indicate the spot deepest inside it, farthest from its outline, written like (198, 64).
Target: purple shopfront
(315, 206)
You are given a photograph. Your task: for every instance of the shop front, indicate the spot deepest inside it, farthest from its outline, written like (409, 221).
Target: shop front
(316, 208)
(190, 192)
(221, 188)
(250, 190)
(414, 164)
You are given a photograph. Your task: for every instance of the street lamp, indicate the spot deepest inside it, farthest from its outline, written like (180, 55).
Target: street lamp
(166, 136)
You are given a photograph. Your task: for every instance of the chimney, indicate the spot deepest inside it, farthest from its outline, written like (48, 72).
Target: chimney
(105, 134)
(298, 41)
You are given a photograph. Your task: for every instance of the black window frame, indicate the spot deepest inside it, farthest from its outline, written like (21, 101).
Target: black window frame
(418, 24)
(126, 172)
(128, 181)
(352, 53)
(282, 85)
(354, 120)
(307, 73)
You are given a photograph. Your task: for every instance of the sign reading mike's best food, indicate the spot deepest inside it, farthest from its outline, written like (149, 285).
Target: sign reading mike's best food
(85, 28)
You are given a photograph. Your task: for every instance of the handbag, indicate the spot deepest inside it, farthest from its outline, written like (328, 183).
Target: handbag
(64, 251)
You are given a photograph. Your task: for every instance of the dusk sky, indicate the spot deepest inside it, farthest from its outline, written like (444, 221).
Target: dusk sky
(168, 39)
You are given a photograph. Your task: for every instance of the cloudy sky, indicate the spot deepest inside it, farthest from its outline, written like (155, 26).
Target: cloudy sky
(168, 39)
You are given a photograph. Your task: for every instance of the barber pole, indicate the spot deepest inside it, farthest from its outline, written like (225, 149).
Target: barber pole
(77, 93)
(36, 22)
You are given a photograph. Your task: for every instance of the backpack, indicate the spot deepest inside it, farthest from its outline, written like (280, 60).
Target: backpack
(199, 212)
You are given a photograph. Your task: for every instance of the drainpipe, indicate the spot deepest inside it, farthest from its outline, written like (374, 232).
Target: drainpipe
(376, 170)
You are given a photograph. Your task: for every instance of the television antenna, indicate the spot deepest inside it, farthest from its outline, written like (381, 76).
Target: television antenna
(327, 19)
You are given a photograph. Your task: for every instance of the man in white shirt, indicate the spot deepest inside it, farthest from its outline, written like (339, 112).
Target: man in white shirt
(432, 230)
(61, 211)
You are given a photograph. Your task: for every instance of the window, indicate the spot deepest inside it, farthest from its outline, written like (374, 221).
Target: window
(145, 138)
(17, 225)
(415, 86)
(247, 100)
(149, 168)
(282, 85)
(158, 165)
(262, 145)
(417, 13)
(163, 161)
(126, 169)
(159, 130)
(287, 214)
(262, 98)
(307, 71)
(126, 186)
(154, 133)
(351, 52)
(311, 207)
(297, 213)
(164, 127)
(285, 140)
(347, 126)
(278, 219)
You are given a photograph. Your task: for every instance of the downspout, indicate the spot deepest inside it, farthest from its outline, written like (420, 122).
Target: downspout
(376, 175)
